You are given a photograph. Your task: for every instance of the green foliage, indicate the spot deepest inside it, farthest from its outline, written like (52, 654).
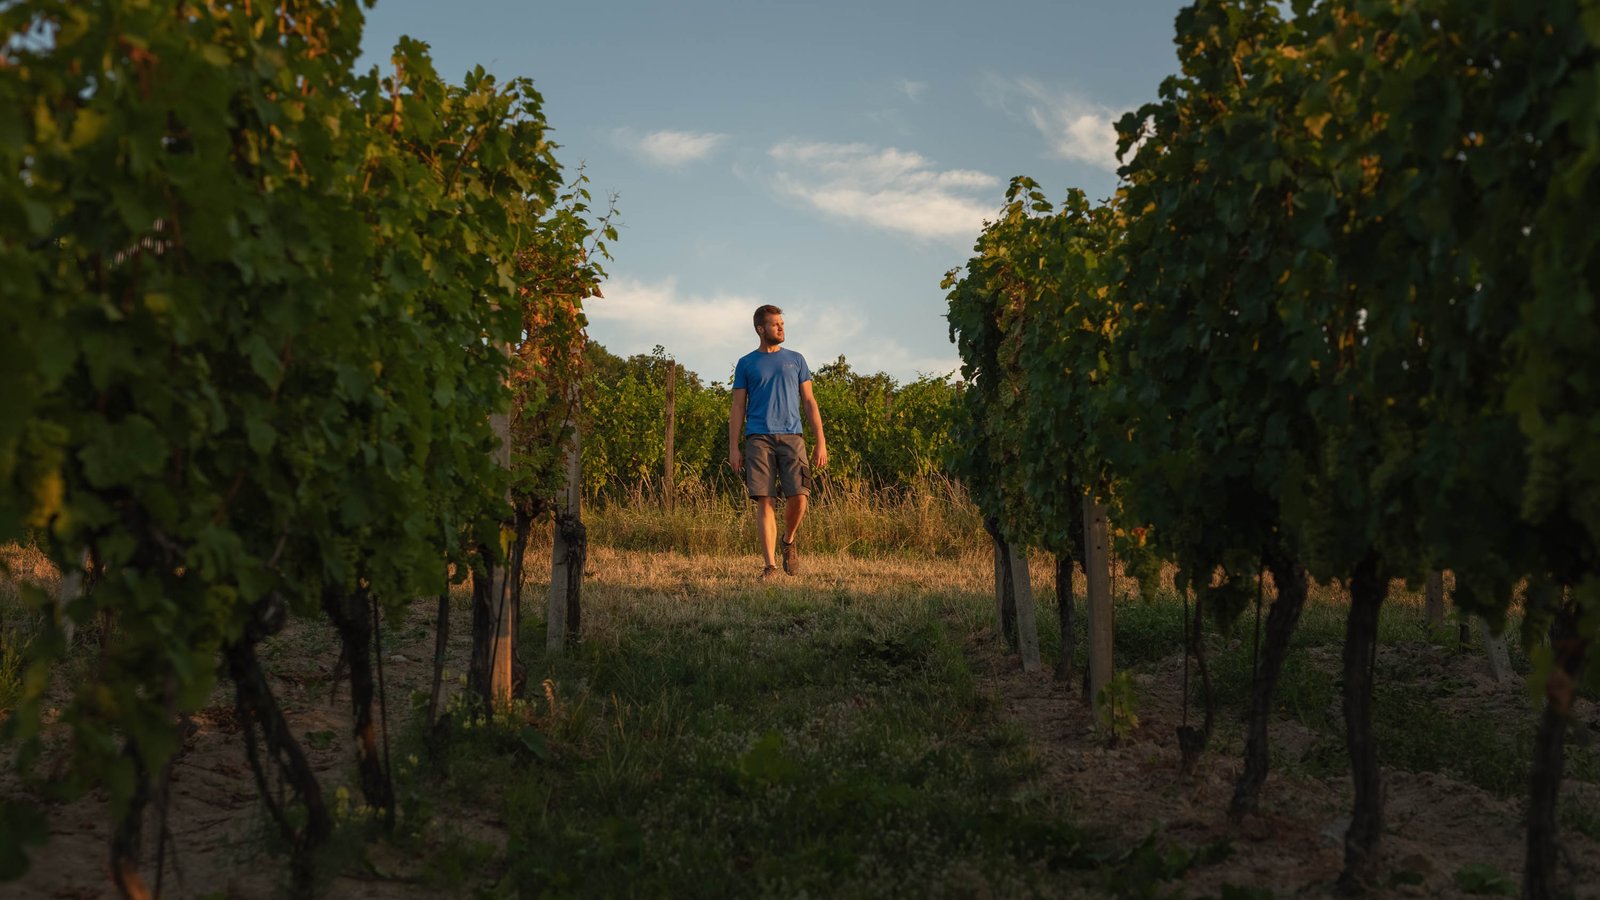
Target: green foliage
(1484, 879)
(1033, 319)
(765, 764)
(251, 300)
(1341, 315)
(1148, 868)
(1213, 362)
(624, 438)
(1302, 330)
(559, 269)
(1116, 706)
(882, 435)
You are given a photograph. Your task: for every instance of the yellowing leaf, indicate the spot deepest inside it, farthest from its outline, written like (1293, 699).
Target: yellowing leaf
(44, 121)
(86, 126)
(49, 492)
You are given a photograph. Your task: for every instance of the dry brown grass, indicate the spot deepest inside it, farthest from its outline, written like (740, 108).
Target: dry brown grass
(647, 576)
(934, 518)
(27, 564)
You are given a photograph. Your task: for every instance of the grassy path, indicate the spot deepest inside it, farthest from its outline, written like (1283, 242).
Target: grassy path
(854, 732)
(824, 736)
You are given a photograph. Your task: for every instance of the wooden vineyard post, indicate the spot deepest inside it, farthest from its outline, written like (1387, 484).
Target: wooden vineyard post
(668, 487)
(499, 585)
(1097, 568)
(569, 551)
(1433, 601)
(1027, 621)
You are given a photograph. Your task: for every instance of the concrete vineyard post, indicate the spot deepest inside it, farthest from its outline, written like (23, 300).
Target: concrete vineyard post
(1494, 650)
(70, 589)
(1027, 621)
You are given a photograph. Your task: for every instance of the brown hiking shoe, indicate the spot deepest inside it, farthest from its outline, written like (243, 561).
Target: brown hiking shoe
(768, 572)
(791, 558)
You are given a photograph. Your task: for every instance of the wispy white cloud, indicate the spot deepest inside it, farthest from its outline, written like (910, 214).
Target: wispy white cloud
(903, 363)
(912, 89)
(886, 188)
(670, 149)
(709, 332)
(1075, 127)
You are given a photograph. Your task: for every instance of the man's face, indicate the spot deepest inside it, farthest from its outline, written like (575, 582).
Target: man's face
(772, 331)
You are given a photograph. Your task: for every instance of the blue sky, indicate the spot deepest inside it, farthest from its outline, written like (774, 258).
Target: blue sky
(832, 158)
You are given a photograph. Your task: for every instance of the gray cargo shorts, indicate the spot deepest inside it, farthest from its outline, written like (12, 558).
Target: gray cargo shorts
(773, 461)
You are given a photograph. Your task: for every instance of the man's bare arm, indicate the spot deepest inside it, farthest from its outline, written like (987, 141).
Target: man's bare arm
(735, 428)
(808, 402)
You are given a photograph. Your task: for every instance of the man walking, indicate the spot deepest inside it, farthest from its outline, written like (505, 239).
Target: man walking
(771, 394)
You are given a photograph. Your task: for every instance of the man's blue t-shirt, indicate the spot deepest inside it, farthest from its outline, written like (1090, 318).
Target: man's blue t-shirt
(772, 389)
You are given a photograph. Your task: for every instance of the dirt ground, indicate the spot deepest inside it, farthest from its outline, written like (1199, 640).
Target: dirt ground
(1434, 825)
(218, 831)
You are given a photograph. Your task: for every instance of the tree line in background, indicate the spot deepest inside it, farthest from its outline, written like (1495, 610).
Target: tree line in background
(280, 338)
(882, 435)
(1338, 322)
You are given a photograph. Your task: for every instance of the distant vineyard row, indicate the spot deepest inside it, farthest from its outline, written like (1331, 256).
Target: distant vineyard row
(881, 434)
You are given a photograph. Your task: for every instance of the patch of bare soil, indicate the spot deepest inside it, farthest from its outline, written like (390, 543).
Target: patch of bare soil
(1435, 825)
(219, 837)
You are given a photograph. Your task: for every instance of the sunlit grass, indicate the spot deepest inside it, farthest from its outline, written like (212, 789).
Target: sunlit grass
(933, 518)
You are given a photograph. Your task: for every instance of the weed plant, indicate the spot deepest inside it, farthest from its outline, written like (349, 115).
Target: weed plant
(23, 569)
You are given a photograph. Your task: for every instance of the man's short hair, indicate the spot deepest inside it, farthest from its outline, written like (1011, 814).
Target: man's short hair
(763, 311)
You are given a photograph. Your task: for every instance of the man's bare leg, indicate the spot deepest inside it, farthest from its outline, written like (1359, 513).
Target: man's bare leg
(794, 509)
(767, 521)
